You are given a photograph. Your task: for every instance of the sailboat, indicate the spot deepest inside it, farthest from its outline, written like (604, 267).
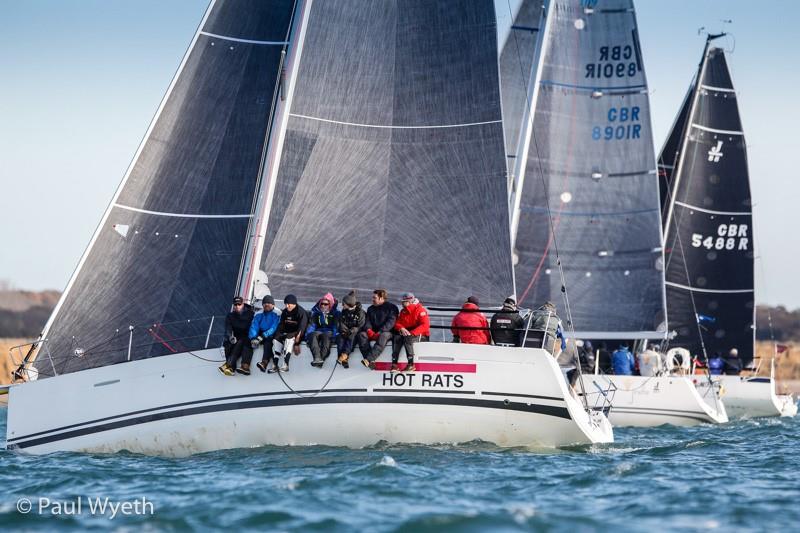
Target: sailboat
(302, 147)
(585, 205)
(708, 226)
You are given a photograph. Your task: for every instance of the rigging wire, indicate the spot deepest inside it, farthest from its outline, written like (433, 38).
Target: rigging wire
(552, 237)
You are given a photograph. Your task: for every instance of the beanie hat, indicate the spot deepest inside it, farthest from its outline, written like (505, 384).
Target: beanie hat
(290, 299)
(473, 300)
(267, 300)
(350, 299)
(408, 297)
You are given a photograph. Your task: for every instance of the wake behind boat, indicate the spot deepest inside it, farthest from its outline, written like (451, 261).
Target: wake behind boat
(303, 147)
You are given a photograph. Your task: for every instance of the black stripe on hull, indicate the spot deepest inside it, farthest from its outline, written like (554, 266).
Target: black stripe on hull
(548, 410)
(661, 412)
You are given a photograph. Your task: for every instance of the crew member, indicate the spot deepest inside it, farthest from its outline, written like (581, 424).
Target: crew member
(292, 326)
(622, 360)
(322, 329)
(470, 326)
(237, 342)
(413, 325)
(262, 330)
(507, 325)
(351, 321)
(381, 316)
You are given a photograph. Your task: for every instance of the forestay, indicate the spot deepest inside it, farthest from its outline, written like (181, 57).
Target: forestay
(591, 166)
(169, 247)
(393, 169)
(709, 236)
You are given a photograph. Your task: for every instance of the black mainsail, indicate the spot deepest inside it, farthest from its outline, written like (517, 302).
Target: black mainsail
(393, 170)
(709, 225)
(590, 172)
(169, 247)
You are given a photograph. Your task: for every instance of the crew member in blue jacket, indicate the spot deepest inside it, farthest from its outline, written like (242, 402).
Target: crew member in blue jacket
(322, 328)
(622, 361)
(262, 330)
(716, 364)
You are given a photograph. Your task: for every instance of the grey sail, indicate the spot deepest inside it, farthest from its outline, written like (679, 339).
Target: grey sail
(516, 66)
(167, 254)
(591, 173)
(393, 171)
(709, 226)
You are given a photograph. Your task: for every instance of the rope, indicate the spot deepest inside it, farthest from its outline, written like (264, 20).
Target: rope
(324, 386)
(552, 238)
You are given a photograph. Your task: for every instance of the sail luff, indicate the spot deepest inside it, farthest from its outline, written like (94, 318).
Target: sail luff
(128, 171)
(681, 155)
(255, 250)
(524, 141)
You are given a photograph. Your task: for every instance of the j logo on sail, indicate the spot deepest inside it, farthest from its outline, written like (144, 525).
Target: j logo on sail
(715, 153)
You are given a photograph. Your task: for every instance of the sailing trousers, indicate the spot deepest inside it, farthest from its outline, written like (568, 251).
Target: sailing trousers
(405, 341)
(372, 353)
(319, 343)
(241, 350)
(267, 344)
(346, 342)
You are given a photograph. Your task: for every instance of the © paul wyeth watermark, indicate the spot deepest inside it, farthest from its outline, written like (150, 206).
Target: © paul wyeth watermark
(87, 505)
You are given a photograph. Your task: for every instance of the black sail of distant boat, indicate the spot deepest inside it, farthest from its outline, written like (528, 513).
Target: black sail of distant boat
(393, 171)
(169, 247)
(668, 157)
(590, 172)
(709, 225)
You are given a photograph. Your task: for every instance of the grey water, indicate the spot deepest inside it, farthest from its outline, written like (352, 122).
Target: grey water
(740, 476)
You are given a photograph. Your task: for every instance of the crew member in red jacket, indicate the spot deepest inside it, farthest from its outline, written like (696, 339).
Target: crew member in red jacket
(413, 325)
(470, 326)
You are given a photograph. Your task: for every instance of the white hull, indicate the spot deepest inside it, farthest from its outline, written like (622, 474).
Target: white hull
(752, 397)
(643, 401)
(178, 405)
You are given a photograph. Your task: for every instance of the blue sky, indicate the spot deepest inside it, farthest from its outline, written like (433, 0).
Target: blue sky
(81, 80)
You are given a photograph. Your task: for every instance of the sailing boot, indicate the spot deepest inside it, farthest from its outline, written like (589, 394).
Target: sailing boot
(285, 367)
(344, 360)
(226, 369)
(410, 366)
(395, 367)
(244, 370)
(275, 367)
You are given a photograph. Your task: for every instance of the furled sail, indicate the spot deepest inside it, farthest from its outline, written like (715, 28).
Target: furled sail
(590, 172)
(709, 226)
(393, 170)
(168, 249)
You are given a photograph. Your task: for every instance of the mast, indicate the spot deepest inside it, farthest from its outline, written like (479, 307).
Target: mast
(687, 131)
(265, 194)
(523, 143)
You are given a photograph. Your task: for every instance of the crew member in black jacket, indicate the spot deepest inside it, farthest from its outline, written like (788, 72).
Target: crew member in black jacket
(237, 341)
(506, 325)
(291, 328)
(381, 316)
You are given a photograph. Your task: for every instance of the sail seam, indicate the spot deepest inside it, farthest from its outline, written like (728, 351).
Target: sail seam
(712, 130)
(466, 124)
(716, 291)
(177, 215)
(719, 89)
(711, 212)
(592, 87)
(246, 41)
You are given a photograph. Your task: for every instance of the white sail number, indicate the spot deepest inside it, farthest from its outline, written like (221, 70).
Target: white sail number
(728, 237)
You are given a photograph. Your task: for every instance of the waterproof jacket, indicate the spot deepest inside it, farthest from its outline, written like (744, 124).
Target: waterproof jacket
(469, 317)
(716, 365)
(506, 325)
(352, 319)
(292, 322)
(623, 362)
(415, 319)
(547, 320)
(238, 324)
(381, 318)
(324, 321)
(264, 324)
